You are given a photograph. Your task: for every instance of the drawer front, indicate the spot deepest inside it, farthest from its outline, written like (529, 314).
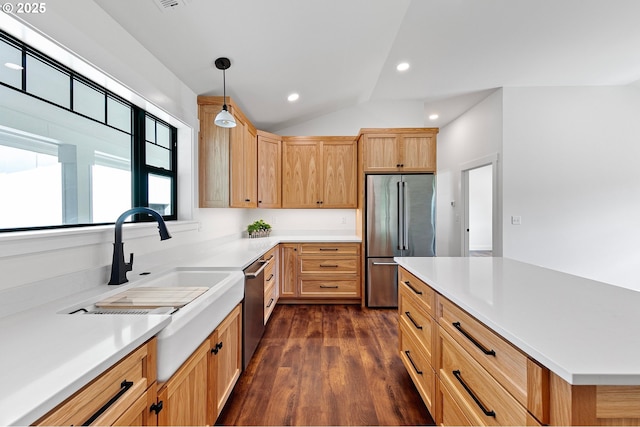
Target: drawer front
(503, 361)
(419, 289)
(329, 288)
(330, 248)
(123, 383)
(480, 394)
(337, 265)
(419, 368)
(269, 301)
(269, 275)
(417, 321)
(450, 413)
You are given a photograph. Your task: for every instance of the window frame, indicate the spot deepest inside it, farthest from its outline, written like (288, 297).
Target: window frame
(139, 169)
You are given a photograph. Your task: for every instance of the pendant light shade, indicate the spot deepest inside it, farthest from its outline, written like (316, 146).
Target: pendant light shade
(224, 119)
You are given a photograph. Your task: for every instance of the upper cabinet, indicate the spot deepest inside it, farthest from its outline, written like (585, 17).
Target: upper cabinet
(399, 150)
(227, 158)
(269, 170)
(319, 172)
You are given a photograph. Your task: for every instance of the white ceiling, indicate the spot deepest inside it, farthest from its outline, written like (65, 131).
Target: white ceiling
(338, 53)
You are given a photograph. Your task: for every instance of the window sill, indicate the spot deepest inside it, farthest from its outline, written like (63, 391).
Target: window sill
(38, 241)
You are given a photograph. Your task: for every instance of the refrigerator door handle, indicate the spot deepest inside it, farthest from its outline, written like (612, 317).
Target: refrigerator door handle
(405, 219)
(400, 217)
(385, 263)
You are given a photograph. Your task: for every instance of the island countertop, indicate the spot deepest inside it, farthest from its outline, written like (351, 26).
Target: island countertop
(586, 332)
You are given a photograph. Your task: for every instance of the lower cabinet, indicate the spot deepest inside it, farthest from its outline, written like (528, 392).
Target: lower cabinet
(197, 392)
(120, 396)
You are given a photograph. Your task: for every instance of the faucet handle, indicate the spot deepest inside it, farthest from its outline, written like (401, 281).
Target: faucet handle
(128, 266)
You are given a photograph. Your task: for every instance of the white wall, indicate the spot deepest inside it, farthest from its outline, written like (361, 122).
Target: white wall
(475, 135)
(571, 172)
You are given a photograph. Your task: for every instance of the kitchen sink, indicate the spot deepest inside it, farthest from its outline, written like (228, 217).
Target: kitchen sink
(191, 324)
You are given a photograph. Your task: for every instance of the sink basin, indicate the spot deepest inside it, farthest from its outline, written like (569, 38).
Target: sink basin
(191, 324)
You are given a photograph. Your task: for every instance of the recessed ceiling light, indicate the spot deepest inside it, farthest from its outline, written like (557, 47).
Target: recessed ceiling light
(13, 66)
(293, 97)
(403, 66)
(433, 116)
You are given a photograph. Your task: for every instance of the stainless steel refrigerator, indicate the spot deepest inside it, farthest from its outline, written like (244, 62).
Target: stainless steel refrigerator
(400, 222)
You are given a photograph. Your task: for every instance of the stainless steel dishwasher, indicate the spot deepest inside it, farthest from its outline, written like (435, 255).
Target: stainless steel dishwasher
(253, 309)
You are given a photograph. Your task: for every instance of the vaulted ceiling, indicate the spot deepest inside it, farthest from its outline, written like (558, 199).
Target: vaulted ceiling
(339, 53)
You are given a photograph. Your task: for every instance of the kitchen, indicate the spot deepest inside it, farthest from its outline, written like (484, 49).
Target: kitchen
(577, 210)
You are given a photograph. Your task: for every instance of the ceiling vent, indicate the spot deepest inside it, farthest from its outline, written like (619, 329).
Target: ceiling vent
(165, 5)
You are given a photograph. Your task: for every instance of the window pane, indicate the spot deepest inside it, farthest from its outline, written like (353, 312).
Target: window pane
(163, 136)
(78, 145)
(150, 129)
(158, 156)
(160, 194)
(47, 82)
(10, 55)
(30, 187)
(111, 192)
(88, 101)
(118, 115)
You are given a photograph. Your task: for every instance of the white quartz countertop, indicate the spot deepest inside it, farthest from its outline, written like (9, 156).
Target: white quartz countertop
(47, 356)
(586, 332)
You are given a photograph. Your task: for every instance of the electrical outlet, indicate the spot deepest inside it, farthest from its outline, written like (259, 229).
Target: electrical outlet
(516, 220)
(343, 220)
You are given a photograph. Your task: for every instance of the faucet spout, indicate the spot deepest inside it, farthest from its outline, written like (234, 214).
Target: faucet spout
(119, 267)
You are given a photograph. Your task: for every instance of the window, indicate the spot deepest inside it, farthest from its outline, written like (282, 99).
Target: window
(71, 152)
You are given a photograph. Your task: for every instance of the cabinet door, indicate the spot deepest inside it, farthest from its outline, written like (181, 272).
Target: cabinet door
(339, 174)
(288, 270)
(184, 395)
(225, 361)
(213, 159)
(243, 162)
(418, 153)
(269, 172)
(301, 174)
(381, 153)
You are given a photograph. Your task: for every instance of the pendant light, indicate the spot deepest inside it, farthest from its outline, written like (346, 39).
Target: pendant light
(224, 119)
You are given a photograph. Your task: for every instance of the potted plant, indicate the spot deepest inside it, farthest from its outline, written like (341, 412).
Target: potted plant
(259, 228)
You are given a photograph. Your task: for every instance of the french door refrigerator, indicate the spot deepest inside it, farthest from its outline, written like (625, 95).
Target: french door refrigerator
(400, 221)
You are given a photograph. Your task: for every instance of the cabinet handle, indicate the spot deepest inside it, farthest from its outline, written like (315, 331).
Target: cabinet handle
(418, 371)
(124, 386)
(406, 282)
(270, 302)
(328, 249)
(456, 373)
(412, 320)
(473, 340)
(329, 265)
(156, 407)
(329, 287)
(217, 348)
(270, 277)
(247, 200)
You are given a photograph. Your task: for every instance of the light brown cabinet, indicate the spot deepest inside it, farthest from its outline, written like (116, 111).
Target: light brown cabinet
(399, 150)
(196, 393)
(319, 172)
(269, 170)
(121, 395)
(271, 282)
(320, 271)
(227, 157)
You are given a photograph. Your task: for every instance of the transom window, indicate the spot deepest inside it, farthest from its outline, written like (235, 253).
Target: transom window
(71, 152)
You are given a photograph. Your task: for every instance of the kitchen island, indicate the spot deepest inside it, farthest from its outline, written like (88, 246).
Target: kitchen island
(583, 335)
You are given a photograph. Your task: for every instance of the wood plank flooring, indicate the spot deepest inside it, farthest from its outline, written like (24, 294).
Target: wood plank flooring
(326, 365)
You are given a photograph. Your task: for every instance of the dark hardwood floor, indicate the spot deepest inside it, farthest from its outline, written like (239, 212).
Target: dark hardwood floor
(327, 365)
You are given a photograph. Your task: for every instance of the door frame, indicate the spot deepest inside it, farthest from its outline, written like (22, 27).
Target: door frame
(496, 214)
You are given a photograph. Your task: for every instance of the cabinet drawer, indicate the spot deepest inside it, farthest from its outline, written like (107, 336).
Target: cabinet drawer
(450, 413)
(270, 299)
(419, 368)
(479, 393)
(330, 248)
(416, 320)
(337, 265)
(125, 382)
(503, 361)
(420, 290)
(269, 275)
(329, 288)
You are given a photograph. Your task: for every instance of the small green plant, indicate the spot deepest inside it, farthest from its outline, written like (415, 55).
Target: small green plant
(258, 228)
